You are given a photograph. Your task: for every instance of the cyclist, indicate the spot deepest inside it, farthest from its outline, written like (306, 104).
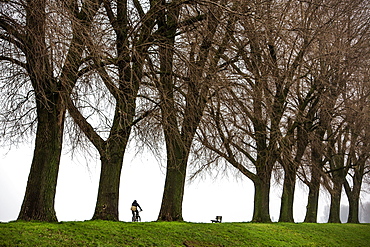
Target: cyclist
(134, 208)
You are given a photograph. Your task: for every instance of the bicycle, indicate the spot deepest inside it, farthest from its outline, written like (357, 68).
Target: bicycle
(136, 217)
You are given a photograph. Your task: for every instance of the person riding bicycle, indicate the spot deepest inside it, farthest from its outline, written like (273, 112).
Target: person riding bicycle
(134, 208)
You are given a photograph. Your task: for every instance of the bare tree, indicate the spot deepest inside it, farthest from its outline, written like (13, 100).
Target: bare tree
(27, 29)
(359, 157)
(256, 107)
(268, 112)
(190, 46)
(359, 146)
(121, 73)
(354, 141)
(339, 60)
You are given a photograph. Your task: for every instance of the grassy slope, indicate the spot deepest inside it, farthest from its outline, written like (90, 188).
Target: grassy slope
(101, 233)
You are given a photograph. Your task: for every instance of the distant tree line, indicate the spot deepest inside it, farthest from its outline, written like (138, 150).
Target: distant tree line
(269, 88)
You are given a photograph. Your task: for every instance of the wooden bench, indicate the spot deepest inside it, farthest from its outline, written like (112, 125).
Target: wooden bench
(217, 220)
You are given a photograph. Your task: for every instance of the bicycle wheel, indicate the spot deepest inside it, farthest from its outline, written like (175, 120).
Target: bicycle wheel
(134, 218)
(138, 218)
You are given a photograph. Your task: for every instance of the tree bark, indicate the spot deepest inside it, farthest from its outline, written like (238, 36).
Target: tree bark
(108, 194)
(177, 157)
(290, 168)
(287, 198)
(111, 155)
(50, 93)
(129, 78)
(358, 166)
(173, 194)
(171, 207)
(178, 142)
(317, 149)
(336, 194)
(353, 200)
(339, 167)
(261, 211)
(354, 194)
(313, 202)
(314, 191)
(38, 202)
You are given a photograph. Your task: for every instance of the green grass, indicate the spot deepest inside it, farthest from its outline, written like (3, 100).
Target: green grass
(103, 233)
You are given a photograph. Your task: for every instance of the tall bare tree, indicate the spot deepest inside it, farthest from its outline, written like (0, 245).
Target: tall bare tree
(268, 112)
(357, 114)
(28, 28)
(338, 62)
(121, 73)
(255, 110)
(184, 84)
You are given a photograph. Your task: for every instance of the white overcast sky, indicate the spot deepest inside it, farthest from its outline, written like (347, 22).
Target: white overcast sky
(142, 180)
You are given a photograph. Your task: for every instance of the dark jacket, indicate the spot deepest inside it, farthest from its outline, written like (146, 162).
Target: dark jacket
(136, 205)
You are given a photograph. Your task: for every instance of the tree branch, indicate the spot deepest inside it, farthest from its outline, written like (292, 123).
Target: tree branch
(85, 126)
(13, 60)
(14, 36)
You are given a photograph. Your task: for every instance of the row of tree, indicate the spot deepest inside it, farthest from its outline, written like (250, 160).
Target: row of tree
(267, 87)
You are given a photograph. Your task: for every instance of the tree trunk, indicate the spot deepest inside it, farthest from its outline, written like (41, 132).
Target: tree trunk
(336, 194)
(111, 156)
(353, 215)
(173, 194)
(178, 143)
(108, 195)
(38, 202)
(287, 198)
(171, 208)
(354, 194)
(261, 211)
(313, 200)
(314, 184)
(290, 171)
(337, 174)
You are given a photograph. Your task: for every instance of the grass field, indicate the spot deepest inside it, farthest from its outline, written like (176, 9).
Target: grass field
(104, 233)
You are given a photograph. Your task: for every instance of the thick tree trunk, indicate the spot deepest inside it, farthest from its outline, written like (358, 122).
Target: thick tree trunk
(261, 211)
(171, 208)
(337, 175)
(112, 151)
(290, 173)
(354, 194)
(38, 202)
(353, 215)
(336, 194)
(111, 156)
(287, 198)
(313, 201)
(108, 195)
(173, 194)
(314, 184)
(178, 143)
